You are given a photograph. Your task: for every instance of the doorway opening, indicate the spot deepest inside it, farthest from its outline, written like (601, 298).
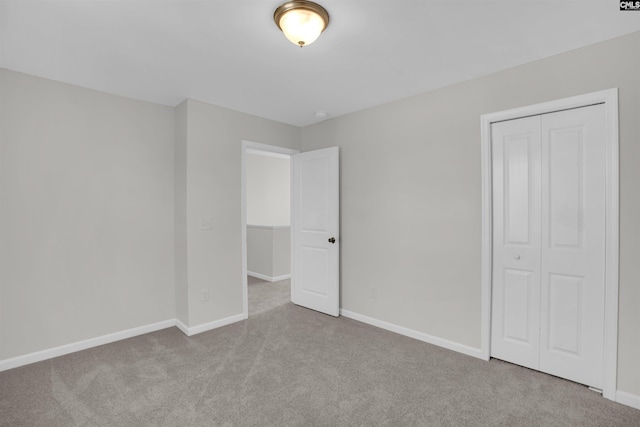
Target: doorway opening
(266, 225)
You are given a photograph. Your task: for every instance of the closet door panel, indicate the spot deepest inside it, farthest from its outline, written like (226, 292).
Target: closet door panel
(516, 241)
(572, 256)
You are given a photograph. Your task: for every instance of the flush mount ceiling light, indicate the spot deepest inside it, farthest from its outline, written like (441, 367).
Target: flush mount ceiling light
(301, 21)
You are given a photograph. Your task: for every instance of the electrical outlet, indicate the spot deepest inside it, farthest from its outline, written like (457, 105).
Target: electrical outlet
(206, 223)
(205, 294)
(373, 292)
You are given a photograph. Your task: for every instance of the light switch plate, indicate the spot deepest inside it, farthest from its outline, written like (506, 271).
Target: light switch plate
(206, 223)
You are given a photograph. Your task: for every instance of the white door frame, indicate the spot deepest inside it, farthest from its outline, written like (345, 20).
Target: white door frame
(610, 100)
(256, 147)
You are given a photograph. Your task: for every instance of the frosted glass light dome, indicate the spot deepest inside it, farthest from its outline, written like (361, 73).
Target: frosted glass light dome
(301, 21)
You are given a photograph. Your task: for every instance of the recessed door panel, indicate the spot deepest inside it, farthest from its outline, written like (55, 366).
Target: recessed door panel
(566, 186)
(565, 314)
(314, 179)
(517, 306)
(517, 187)
(314, 275)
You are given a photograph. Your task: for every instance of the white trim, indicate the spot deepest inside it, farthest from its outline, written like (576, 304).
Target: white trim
(261, 152)
(193, 330)
(269, 227)
(612, 246)
(184, 328)
(420, 336)
(50, 353)
(628, 399)
(610, 100)
(254, 148)
(487, 230)
(268, 150)
(268, 278)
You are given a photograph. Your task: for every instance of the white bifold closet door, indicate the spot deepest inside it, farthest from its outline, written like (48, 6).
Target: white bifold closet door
(549, 243)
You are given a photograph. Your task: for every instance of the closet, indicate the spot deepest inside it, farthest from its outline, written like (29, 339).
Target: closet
(548, 280)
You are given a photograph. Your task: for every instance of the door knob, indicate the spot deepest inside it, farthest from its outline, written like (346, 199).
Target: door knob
(332, 240)
(516, 256)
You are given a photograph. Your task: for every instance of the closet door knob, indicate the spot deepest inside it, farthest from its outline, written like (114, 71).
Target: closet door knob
(516, 256)
(332, 240)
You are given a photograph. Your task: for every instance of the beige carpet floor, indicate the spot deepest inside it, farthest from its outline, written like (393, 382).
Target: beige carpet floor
(290, 366)
(264, 296)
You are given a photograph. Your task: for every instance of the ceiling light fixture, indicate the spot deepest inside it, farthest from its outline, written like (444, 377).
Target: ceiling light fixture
(301, 21)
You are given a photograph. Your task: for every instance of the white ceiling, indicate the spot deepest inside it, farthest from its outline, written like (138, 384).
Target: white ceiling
(230, 52)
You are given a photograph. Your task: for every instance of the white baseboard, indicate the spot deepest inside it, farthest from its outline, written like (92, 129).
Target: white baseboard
(184, 328)
(421, 336)
(50, 353)
(622, 397)
(193, 330)
(268, 278)
(628, 399)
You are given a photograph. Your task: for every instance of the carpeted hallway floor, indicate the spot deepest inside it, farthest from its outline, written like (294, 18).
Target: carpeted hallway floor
(292, 366)
(264, 296)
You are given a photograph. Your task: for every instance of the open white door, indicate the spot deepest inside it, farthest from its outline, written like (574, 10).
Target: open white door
(315, 230)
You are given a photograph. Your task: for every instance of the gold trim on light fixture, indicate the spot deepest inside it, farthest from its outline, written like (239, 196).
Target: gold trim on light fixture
(305, 16)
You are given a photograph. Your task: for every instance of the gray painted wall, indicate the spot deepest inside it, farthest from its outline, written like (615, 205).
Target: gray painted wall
(281, 251)
(101, 199)
(260, 250)
(213, 150)
(86, 214)
(411, 199)
(268, 190)
(269, 250)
